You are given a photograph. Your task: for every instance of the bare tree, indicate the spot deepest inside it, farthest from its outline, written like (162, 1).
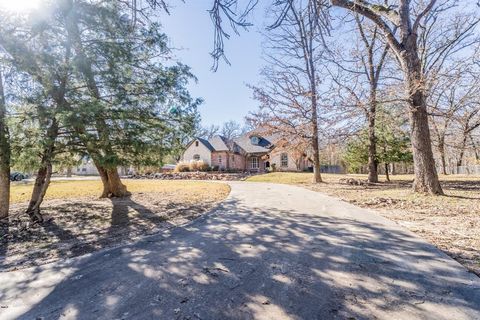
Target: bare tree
(207, 132)
(231, 129)
(290, 96)
(410, 20)
(357, 80)
(453, 108)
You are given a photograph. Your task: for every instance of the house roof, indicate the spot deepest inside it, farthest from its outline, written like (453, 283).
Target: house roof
(219, 143)
(246, 144)
(206, 143)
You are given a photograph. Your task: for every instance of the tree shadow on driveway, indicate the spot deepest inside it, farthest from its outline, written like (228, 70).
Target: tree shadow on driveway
(242, 262)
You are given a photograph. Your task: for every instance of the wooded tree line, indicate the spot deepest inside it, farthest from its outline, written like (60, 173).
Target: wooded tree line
(342, 69)
(92, 78)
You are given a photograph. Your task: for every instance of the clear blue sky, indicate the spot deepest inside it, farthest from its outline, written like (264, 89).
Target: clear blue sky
(226, 96)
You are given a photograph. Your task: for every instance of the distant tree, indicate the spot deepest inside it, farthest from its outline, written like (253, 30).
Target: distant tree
(393, 145)
(404, 25)
(207, 132)
(359, 77)
(232, 129)
(289, 95)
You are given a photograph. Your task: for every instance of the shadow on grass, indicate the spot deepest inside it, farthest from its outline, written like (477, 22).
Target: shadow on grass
(74, 230)
(246, 262)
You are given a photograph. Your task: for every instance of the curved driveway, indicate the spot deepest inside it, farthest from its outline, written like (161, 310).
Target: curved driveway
(269, 252)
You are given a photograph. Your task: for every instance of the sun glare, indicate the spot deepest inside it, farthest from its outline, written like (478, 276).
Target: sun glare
(19, 5)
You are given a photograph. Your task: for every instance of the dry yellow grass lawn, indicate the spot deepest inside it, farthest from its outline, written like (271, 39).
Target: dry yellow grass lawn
(451, 222)
(77, 221)
(185, 190)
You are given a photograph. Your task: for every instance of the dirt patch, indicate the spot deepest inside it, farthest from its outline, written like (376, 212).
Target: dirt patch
(77, 226)
(450, 222)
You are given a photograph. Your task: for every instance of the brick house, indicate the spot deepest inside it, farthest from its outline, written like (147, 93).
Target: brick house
(250, 152)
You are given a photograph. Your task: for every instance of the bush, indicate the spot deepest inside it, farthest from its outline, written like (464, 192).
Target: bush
(193, 165)
(182, 166)
(202, 166)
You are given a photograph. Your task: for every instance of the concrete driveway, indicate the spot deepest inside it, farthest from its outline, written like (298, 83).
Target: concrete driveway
(269, 252)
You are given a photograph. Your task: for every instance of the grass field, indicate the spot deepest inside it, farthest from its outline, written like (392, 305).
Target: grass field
(78, 222)
(451, 222)
(186, 190)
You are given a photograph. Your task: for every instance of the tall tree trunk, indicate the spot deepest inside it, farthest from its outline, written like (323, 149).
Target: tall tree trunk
(112, 184)
(477, 155)
(441, 150)
(317, 176)
(463, 146)
(387, 175)
(42, 181)
(69, 172)
(426, 177)
(372, 140)
(4, 156)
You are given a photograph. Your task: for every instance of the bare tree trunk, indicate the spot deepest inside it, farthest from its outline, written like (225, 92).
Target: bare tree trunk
(387, 175)
(477, 155)
(441, 150)
(426, 177)
(4, 156)
(42, 181)
(112, 184)
(372, 143)
(69, 172)
(462, 149)
(317, 176)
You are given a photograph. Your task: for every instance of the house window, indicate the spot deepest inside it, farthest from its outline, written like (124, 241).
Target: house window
(284, 160)
(219, 159)
(233, 158)
(196, 157)
(255, 140)
(254, 163)
(196, 143)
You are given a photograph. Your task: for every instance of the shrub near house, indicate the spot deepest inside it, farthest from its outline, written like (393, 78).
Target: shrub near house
(250, 152)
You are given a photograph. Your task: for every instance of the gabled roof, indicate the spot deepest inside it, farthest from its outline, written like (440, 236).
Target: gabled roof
(219, 143)
(246, 144)
(204, 142)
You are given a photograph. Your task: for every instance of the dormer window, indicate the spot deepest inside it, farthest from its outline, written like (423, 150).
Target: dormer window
(255, 140)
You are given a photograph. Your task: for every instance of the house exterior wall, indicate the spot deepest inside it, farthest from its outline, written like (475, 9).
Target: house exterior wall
(220, 159)
(230, 161)
(275, 158)
(204, 153)
(237, 161)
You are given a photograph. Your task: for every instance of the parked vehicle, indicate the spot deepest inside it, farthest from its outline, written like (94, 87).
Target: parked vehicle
(18, 176)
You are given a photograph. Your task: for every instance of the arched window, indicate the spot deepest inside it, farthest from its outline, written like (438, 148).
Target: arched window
(284, 160)
(196, 157)
(196, 143)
